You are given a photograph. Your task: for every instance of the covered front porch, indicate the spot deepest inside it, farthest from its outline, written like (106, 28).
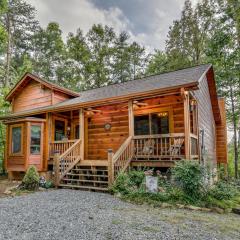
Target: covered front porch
(154, 131)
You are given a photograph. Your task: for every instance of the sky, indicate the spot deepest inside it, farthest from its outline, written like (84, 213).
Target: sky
(146, 21)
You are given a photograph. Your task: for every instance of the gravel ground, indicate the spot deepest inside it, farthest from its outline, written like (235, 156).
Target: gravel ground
(69, 214)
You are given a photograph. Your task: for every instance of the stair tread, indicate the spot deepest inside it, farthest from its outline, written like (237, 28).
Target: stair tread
(84, 187)
(84, 169)
(86, 175)
(81, 180)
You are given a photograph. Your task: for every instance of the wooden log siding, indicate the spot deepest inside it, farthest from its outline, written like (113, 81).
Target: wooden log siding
(36, 95)
(206, 119)
(99, 139)
(33, 96)
(221, 133)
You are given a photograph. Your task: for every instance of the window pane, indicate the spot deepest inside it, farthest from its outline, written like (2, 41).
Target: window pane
(35, 139)
(160, 123)
(59, 130)
(16, 139)
(141, 125)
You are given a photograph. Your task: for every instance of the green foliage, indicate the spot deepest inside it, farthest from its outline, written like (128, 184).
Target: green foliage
(189, 175)
(31, 179)
(131, 187)
(223, 191)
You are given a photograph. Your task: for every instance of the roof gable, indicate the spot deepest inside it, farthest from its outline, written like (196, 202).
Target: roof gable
(31, 77)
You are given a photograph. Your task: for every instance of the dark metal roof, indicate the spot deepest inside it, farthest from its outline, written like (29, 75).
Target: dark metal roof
(162, 81)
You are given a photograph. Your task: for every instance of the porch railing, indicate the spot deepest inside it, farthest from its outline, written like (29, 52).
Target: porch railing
(60, 146)
(66, 161)
(159, 146)
(120, 161)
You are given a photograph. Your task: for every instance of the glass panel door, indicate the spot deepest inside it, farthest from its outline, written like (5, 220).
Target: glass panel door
(141, 125)
(59, 130)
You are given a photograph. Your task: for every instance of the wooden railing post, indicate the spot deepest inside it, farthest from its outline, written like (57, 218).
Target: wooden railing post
(56, 161)
(110, 167)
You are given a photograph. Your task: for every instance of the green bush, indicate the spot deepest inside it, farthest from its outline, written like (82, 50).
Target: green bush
(223, 191)
(136, 178)
(189, 176)
(31, 179)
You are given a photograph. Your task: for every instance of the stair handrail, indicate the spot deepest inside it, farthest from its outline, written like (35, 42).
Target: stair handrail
(119, 161)
(66, 161)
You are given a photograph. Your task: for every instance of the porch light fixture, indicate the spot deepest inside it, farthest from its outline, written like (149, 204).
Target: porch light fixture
(163, 114)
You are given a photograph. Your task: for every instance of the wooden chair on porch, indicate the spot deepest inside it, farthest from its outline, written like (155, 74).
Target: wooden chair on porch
(148, 148)
(175, 148)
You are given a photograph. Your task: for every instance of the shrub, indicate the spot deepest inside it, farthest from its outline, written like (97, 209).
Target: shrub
(121, 184)
(223, 191)
(189, 175)
(136, 178)
(31, 179)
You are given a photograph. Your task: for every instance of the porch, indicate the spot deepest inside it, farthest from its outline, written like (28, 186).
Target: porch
(90, 146)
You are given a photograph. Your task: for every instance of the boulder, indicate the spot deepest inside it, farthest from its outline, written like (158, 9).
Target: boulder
(236, 210)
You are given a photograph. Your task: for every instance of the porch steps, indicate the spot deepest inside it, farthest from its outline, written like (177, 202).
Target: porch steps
(86, 177)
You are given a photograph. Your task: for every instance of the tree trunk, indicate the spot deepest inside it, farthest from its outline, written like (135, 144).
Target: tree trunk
(234, 122)
(9, 52)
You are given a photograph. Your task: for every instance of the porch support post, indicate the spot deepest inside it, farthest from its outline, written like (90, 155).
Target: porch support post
(81, 132)
(110, 167)
(131, 118)
(48, 138)
(185, 95)
(56, 169)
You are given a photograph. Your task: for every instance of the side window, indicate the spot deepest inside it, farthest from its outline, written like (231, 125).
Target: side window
(16, 144)
(35, 146)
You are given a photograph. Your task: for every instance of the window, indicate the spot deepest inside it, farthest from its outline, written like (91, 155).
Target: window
(153, 123)
(59, 130)
(141, 125)
(16, 139)
(35, 139)
(160, 123)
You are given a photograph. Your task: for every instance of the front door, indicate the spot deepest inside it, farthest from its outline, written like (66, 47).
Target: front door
(60, 129)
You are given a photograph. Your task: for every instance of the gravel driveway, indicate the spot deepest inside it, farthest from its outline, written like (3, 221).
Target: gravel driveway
(69, 214)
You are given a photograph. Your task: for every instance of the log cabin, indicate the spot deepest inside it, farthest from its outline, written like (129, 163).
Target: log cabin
(87, 138)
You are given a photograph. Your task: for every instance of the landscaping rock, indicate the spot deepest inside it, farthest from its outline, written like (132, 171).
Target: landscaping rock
(218, 210)
(166, 205)
(236, 210)
(205, 209)
(194, 208)
(180, 206)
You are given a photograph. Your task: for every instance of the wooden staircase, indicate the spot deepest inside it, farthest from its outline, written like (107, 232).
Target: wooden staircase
(86, 177)
(74, 173)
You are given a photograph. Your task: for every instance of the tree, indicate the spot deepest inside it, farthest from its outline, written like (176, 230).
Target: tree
(121, 70)
(138, 60)
(49, 53)
(158, 63)
(78, 53)
(20, 24)
(101, 45)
